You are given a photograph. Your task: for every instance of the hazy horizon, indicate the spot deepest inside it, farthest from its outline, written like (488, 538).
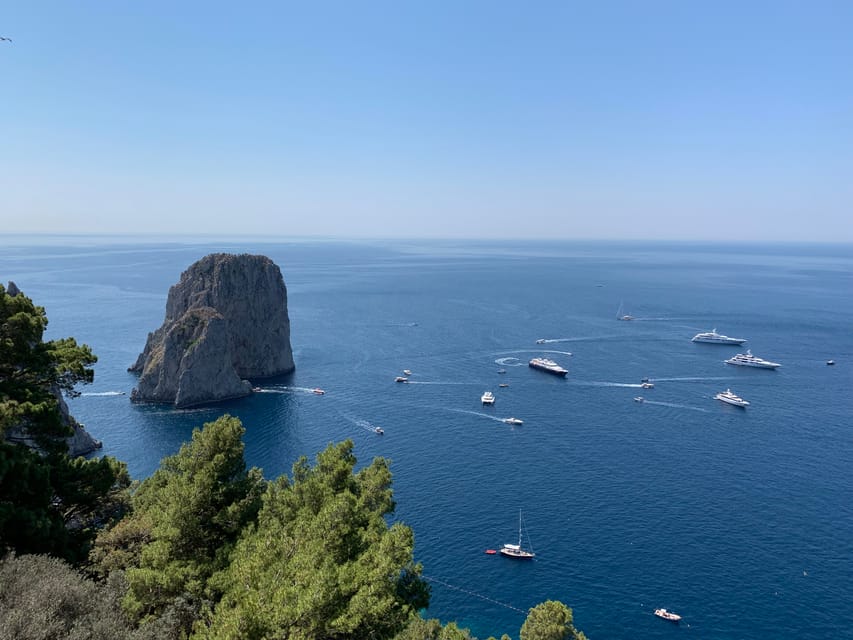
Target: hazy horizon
(656, 121)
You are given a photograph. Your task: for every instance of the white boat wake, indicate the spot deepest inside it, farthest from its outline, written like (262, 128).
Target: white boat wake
(477, 413)
(509, 362)
(103, 393)
(675, 405)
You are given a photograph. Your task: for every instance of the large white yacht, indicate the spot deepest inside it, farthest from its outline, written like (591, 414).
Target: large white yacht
(488, 398)
(712, 337)
(749, 360)
(730, 398)
(544, 364)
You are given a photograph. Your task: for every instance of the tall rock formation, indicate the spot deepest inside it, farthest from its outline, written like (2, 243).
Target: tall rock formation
(226, 320)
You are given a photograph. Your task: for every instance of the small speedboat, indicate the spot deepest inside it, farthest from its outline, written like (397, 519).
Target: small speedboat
(407, 372)
(318, 391)
(667, 615)
(378, 430)
(541, 341)
(401, 379)
(513, 421)
(501, 370)
(639, 399)
(830, 362)
(503, 384)
(645, 383)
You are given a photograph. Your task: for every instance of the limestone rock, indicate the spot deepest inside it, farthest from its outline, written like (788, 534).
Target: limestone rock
(226, 320)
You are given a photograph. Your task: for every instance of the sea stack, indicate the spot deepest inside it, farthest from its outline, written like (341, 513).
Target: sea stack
(226, 321)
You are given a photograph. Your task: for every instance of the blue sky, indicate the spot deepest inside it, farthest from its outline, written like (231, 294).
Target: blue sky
(635, 120)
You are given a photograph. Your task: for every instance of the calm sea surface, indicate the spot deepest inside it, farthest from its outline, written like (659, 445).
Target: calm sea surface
(739, 520)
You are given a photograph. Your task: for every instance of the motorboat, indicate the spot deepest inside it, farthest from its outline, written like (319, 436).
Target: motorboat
(645, 383)
(541, 341)
(749, 360)
(712, 337)
(639, 399)
(621, 315)
(378, 430)
(501, 370)
(830, 362)
(318, 391)
(401, 379)
(513, 421)
(407, 372)
(503, 385)
(730, 398)
(667, 615)
(545, 364)
(488, 398)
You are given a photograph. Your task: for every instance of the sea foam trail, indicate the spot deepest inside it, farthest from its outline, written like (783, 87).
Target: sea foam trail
(477, 413)
(674, 405)
(103, 393)
(284, 389)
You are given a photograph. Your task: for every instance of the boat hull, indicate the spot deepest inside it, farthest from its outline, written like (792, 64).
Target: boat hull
(554, 372)
(518, 554)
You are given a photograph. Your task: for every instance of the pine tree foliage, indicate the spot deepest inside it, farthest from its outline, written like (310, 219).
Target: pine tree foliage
(186, 519)
(322, 562)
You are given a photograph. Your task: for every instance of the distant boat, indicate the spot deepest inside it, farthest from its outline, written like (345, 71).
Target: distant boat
(667, 615)
(712, 337)
(488, 398)
(541, 341)
(830, 362)
(749, 360)
(318, 391)
(639, 399)
(645, 383)
(730, 398)
(401, 379)
(513, 421)
(516, 550)
(545, 364)
(378, 430)
(501, 370)
(621, 315)
(503, 384)
(407, 372)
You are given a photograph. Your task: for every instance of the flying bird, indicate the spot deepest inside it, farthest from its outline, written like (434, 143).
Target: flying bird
(6, 39)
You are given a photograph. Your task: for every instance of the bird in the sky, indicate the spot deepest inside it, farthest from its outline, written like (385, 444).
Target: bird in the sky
(6, 39)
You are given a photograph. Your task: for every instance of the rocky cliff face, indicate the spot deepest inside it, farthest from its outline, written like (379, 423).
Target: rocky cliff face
(226, 320)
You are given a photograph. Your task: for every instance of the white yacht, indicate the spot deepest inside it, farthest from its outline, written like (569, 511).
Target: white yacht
(730, 398)
(544, 364)
(668, 615)
(488, 398)
(513, 421)
(749, 360)
(712, 337)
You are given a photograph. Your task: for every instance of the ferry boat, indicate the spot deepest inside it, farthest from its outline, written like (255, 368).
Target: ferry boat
(544, 364)
(513, 421)
(667, 615)
(730, 398)
(749, 360)
(712, 337)
(488, 398)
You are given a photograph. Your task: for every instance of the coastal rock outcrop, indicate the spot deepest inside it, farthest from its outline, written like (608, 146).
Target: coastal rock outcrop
(226, 321)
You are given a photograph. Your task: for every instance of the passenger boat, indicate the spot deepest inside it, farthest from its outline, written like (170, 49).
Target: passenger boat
(544, 364)
(712, 337)
(488, 398)
(730, 398)
(749, 360)
(667, 615)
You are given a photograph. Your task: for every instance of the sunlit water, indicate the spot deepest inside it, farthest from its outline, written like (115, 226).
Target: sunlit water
(739, 520)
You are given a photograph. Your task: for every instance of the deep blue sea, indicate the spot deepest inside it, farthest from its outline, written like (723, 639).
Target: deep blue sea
(739, 520)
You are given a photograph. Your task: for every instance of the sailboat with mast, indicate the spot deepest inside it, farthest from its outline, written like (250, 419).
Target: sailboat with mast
(516, 550)
(620, 313)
